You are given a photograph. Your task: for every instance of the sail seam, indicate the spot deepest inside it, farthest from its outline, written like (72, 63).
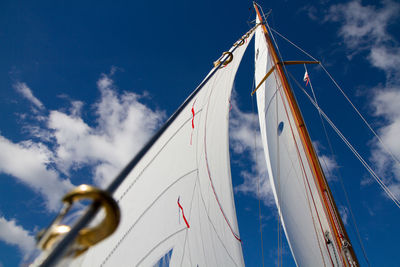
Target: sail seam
(155, 156)
(302, 164)
(319, 180)
(215, 230)
(190, 216)
(305, 179)
(303, 172)
(162, 241)
(209, 173)
(143, 213)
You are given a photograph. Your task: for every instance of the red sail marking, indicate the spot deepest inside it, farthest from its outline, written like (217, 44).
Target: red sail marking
(183, 214)
(193, 114)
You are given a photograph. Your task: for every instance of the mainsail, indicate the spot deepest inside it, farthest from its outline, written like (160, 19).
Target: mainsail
(308, 214)
(177, 206)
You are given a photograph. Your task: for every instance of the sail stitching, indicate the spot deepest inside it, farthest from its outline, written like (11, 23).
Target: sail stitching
(301, 161)
(159, 243)
(306, 179)
(213, 227)
(141, 174)
(190, 216)
(335, 231)
(266, 37)
(201, 231)
(155, 156)
(303, 173)
(307, 147)
(144, 212)
(209, 173)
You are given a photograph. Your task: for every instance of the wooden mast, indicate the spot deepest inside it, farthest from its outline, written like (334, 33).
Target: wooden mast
(339, 231)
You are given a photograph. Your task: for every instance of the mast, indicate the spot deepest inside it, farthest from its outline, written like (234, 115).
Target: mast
(336, 224)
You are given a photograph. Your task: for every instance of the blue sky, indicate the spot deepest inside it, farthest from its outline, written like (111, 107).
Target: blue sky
(88, 66)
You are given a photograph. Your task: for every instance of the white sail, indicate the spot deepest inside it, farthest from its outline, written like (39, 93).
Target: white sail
(177, 205)
(299, 203)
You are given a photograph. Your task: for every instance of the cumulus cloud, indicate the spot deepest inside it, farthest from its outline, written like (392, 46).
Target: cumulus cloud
(363, 25)
(366, 29)
(29, 162)
(63, 142)
(26, 92)
(344, 213)
(387, 105)
(16, 235)
(328, 163)
(245, 140)
(122, 126)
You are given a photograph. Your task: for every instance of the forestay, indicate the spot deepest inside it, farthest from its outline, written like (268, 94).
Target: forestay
(297, 198)
(177, 205)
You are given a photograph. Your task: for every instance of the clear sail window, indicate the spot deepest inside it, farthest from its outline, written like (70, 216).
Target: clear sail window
(280, 128)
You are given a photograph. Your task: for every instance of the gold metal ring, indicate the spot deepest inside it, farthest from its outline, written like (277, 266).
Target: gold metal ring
(227, 61)
(90, 236)
(240, 42)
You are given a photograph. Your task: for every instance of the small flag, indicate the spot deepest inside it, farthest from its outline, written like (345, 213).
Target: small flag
(306, 78)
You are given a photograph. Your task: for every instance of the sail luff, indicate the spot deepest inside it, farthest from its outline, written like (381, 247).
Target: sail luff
(324, 192)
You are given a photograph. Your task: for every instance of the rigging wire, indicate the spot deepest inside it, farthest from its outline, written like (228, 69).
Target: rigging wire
(385, 147)
(355, 152)
(339, 173)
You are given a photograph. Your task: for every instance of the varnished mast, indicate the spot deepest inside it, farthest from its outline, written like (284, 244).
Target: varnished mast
(335, 221)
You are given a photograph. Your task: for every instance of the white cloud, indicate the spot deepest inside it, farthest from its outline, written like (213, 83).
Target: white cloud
(328, 163)
(23, 89)
(67, 142)
(365, 28)
(243, 132)
(16, 235)
(363, 25)
(386, 58)
(344, 213)
(387, 105)
(311, 11)
(29, 163)
(123, 125)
